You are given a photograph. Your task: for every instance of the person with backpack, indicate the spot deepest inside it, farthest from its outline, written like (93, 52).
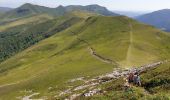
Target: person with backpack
(137, 80)
(131, 78)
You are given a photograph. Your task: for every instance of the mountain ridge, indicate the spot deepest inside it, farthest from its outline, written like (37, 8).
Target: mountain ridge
(31, 9)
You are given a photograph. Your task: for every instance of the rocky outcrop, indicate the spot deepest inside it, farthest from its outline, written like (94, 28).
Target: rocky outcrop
(102, 79)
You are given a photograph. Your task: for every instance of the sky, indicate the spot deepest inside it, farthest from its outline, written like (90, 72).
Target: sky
(121, 5)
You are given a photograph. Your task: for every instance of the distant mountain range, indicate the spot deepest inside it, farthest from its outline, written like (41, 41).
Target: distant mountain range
(30, 9)
(4, 9)
(130, 13)
(159, 19)
(92, 8)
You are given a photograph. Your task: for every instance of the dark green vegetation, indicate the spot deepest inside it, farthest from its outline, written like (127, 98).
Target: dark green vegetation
(49, 50)
(20, 37)
(159, 19)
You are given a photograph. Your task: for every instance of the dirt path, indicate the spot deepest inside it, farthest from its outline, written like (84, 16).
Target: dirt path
(95, 54)
(129, 51)
(14, 83)
(101, 58)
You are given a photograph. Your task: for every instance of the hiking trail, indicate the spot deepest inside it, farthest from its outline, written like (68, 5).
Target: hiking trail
(95, 54)
(129, 51)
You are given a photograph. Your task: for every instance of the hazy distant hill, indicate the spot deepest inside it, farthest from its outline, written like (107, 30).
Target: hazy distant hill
(28, 9)
(4, 9)
(92, 8)
(159, 19)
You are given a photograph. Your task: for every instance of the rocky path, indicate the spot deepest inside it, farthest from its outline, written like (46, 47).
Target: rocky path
(92, 83)
(30, 96)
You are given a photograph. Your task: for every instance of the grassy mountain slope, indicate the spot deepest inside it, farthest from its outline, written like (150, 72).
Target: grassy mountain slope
(47, 66)
(136, 39)
(20, 34)
(159, 19)
(27, 20)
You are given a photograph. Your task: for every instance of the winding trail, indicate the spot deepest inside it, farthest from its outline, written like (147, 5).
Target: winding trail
(14, 83)
(129, 51)
(10, 84)
(95, 54)
(101, 58)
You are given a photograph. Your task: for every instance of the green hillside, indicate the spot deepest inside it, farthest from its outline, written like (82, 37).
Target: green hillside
(18, 35)
(89, 48)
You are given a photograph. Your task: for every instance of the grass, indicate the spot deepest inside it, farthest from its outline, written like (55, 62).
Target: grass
(55, 60)
(35, 19)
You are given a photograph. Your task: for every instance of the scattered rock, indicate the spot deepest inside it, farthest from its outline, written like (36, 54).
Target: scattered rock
(85, 86)
(74, 96)
(92, 92)
(68, 91)
(28, 97)
(77, 79)
(90, 84)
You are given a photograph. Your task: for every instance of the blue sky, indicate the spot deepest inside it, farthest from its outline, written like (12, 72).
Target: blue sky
(125, 5)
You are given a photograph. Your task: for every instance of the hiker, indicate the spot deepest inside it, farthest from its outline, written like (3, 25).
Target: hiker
(137, 80)
(131, 78)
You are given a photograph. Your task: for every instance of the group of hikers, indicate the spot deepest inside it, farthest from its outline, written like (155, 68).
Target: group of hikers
(133, 79)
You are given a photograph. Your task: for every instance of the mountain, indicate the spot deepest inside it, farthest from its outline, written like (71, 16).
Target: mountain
(30, 9)
(92, 8)
(4, 9)
(83, 51)
(159, 19)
